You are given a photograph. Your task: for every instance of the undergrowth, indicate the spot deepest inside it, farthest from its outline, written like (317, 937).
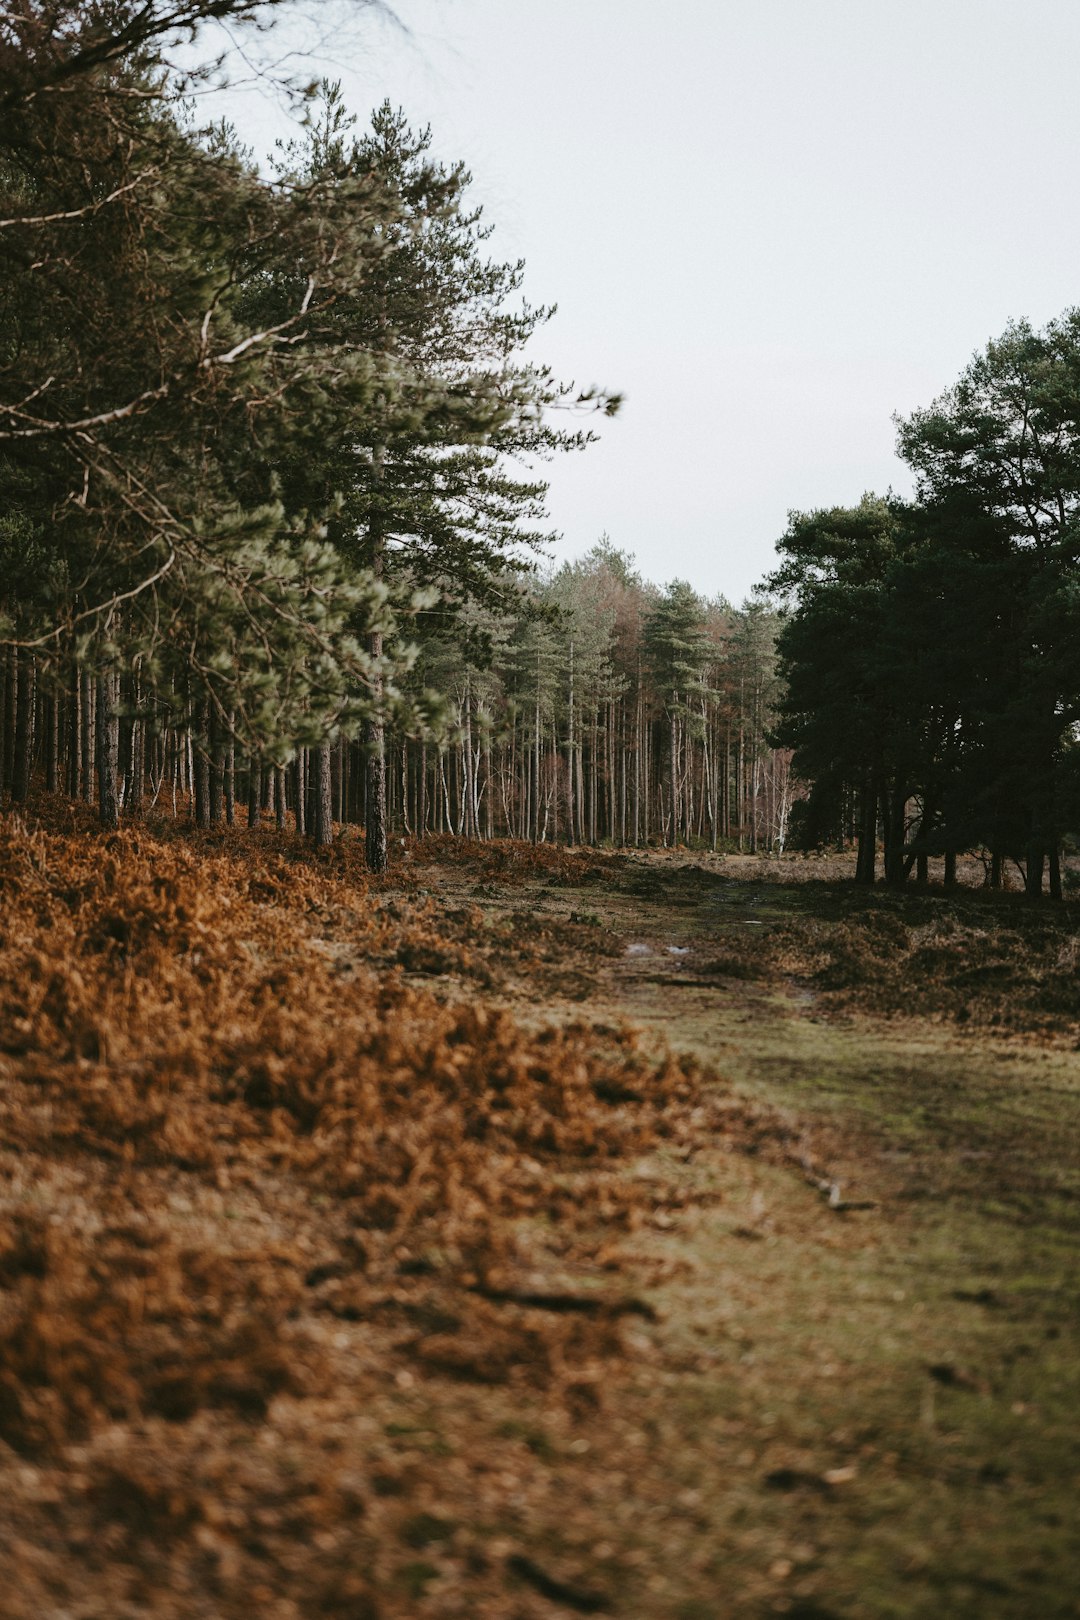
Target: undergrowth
(976, 959)
(259, 1183)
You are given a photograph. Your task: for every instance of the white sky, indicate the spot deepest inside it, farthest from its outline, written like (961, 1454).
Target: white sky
(770, 223)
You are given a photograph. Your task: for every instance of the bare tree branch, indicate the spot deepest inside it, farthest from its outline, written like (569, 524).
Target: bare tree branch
(78, 213)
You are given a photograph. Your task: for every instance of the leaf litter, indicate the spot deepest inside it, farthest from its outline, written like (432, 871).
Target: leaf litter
(263, 1193)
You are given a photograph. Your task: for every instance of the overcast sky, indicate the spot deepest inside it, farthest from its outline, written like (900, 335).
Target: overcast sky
(769, 223)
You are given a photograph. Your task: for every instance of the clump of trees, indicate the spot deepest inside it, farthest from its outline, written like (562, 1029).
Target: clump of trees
(930, 659)
(247, 425)
(269, 511)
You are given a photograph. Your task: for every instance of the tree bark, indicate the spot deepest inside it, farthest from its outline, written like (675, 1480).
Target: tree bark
(74, 738)
(375, 832)
(52, 757)
(5, 680)
(217, 767)
(230, 776)
(254, 792)
(895, 868)
(299, 793)
(108, 748)
(201, 765)
(866, 860)
(324, 802)
(11, 700)
(24, 730)
(375, 837)
(86, 739)
(341, 782)
(534, 831)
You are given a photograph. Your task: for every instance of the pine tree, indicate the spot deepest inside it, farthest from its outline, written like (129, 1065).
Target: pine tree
(678, 653)
(845, 711)
(425, 497)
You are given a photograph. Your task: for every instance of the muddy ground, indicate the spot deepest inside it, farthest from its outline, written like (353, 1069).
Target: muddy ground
(371, 1257)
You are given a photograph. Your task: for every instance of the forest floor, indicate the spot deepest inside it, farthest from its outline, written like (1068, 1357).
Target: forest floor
(365, 1251)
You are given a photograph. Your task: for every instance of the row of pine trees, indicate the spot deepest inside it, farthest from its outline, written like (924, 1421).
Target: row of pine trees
(595, 708)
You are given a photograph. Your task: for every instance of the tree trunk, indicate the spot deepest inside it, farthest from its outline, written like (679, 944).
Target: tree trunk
(375, 829)
(299, 793)
(217, 767)
(5, 681)
(422, 794)
(740, 794)
(375, 834)
(341, 781)
(895, 867)
(11, 700)
(254, 792)
(922, 859)
(201, 746)
(74, 739)
(489, 789)
(324, 801)
(52, 756)
(639, 743)
(108, 747)
(674, 756)
(24, 730)
(866, 860)
(535, 828)
(139, 765)
(230, 777)
(86, 740)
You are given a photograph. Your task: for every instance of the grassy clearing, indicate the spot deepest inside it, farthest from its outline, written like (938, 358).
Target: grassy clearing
(362, 1262)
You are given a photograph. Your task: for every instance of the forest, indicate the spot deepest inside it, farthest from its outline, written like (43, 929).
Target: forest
(524, 1091)
(272, 532)
(279, 544)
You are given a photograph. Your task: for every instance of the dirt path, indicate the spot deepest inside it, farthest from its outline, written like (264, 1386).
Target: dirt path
(861, 1399)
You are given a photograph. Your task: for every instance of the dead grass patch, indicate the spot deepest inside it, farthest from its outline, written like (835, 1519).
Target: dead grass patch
(264, 1188)
(980, 960)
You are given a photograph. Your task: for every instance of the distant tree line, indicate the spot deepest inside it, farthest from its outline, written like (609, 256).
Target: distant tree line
(931, 656)
(269, 513)
(596, 707)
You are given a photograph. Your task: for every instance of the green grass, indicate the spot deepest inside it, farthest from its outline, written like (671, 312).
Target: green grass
(926, 1345)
